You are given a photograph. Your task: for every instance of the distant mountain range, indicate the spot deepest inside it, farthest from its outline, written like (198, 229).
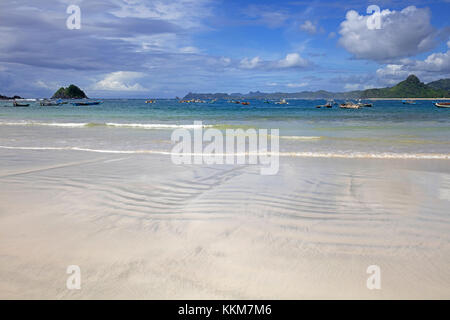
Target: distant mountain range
(409, 88)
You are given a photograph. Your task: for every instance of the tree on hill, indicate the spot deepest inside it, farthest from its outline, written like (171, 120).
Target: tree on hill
(409, 88)
(71, 92)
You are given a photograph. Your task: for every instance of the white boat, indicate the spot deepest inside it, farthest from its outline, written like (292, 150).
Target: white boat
(49, 103)
(442, 104)
(282, 101)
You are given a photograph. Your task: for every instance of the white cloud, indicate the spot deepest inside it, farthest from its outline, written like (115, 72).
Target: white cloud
(267, 15)
(358, 86)
(46, 85)
(120, 81)
(436, 64)
(403, 33)
(352, 86)
(250, 63)
(189, 49)
(292, 60)
(309, 27)
(185, 13)
(297, 85)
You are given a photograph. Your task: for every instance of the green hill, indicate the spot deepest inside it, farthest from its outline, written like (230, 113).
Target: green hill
(443, 84)
(409, 88)
(71, 92)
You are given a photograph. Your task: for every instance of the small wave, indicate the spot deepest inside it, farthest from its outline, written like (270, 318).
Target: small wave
(155, 125)
(300, 137)
(367, 155)
(50, 124)
(108, 124)
(353, 155)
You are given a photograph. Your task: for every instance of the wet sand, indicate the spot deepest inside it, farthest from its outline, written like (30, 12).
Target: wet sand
(140, 227)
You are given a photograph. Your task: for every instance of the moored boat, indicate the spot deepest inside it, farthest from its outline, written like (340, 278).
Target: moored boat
(442, 104)
(49, 103)
(18, 104)
(86, 103)
(329, 104)
(282, 101)
(364, 104)
(408, 102)
(349, 105)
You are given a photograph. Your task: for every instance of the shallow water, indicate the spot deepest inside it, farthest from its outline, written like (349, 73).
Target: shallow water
(389, 129)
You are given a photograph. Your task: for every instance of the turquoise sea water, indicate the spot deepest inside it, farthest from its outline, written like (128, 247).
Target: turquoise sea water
(388, 129)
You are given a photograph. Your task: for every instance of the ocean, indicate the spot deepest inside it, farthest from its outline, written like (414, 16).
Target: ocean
(389, 129)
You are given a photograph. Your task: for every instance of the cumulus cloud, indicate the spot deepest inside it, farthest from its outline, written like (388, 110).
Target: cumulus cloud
(120, 81)
(309, 27)
(435, 65)
(403, 33)
(292, 60)
(247, 63)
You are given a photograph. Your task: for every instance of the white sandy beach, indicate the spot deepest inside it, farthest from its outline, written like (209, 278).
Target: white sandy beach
(141, 227)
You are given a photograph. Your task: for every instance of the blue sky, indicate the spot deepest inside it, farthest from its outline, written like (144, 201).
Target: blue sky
(139, 48)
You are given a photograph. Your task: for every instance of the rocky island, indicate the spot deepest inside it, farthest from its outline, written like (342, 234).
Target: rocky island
(71, 92)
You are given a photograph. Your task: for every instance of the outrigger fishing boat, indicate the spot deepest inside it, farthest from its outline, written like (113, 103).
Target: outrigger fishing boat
(282, 101)
(364, 104)
(245, 103)
(18, 104)
(442, 104)
(349, 105)
(86, 103)
(150, 101)
(329, 104)
(49, 103)
(408, 102)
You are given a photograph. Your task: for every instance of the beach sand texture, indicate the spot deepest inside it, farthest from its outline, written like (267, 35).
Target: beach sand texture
(141, 227)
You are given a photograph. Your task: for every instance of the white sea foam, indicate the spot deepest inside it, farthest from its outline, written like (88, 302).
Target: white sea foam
(50, 124)
(108, 124)
(300, 137)
(155, 125)
(352, 155)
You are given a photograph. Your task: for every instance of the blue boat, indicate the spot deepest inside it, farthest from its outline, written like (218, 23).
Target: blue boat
(86, 103)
